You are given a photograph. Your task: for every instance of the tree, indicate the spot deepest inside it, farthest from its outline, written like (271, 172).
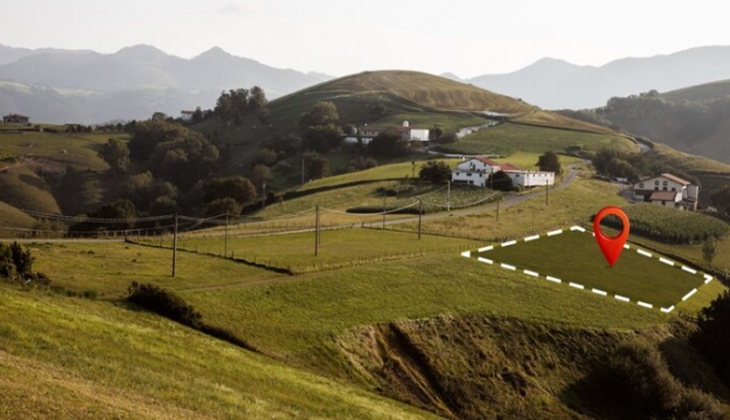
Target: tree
(712, 337)
(322, 138)
(549, 161)
(260, 174)
(447, 138)
(721, 199)
(500, 181)
(147, 135)
(322, 113)
(436, 172)
(257, 99)
(123, 213)
(197, 115)
(388, 143)
(236, 187)
(115, 153)
(223, 206)
(437, 132)
(317, 167)
(266, 157)
(709, 249)
(233, 105)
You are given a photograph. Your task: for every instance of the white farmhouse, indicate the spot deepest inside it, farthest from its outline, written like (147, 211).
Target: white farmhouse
(668, 190)
(367, 133)
(476, 171)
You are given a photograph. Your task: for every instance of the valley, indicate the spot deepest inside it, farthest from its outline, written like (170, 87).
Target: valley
(345, 293)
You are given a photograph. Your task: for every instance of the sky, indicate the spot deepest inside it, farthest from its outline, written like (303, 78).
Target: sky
(465, 37)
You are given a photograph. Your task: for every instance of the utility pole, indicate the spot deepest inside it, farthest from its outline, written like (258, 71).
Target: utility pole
(174, 247)
(316, 231)
(413, 169)
(498, 211)
(263, 201)
(448, 200)
(491, 178)
(420, 215)
(225, 240)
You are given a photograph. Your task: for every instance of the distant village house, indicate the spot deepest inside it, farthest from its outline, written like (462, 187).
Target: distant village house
(476, 171)
(669, 191)
(367, 133)
(16, 119)
(186, 116)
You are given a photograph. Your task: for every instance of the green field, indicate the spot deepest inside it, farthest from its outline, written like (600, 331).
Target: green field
(337, 248)
(506, 139)
(575, 257)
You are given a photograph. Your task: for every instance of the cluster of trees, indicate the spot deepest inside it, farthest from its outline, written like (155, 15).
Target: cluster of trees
(721, 199)
(234, 105)
(688, 119)
(615, 164)
(320, 132)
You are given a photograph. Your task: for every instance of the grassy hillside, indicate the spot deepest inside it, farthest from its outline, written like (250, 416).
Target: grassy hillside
(693, 120)
(425, 90)
(506, 139)
(66, 358)
(704, 92)
(53, 172)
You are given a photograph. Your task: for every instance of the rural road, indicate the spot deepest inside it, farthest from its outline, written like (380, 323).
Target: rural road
(509, 201)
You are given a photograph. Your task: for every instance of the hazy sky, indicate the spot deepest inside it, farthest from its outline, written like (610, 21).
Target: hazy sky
(466, 37)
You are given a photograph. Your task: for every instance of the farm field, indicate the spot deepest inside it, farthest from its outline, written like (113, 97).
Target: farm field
(573, 205)
(80, 149)
(330, 303)
(338, 248)
(109, 268)
(506, 139)
(575, 257)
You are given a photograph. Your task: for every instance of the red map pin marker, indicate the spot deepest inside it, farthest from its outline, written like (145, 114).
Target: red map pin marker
(611, 247)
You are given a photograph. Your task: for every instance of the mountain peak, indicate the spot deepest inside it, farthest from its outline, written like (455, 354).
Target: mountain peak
(215, 52)
(141, 51)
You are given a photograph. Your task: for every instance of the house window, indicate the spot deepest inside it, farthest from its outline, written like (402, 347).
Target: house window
(665, 183)
(656, 182)
(674, 189)
(641, 185)
(468, 174)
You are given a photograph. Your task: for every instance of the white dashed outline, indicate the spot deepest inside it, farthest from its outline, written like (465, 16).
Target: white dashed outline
(707, 278)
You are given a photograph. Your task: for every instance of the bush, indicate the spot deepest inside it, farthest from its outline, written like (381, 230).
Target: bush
(435, 172)
(637, 375)
(164, 303)
(712, 337)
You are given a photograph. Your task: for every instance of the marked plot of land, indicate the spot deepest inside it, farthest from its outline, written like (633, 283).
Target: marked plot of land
(574, 257)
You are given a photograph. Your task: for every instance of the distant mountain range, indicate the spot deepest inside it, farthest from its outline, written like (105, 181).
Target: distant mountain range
(60, 86)
(556, 84)
(52, 85)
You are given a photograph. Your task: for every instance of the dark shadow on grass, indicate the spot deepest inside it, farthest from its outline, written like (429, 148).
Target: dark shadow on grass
(691, 368)
(33, 182)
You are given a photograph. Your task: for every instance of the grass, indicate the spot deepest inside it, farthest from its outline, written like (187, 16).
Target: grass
(551, 119)
(337, 248)
(575, 257)
(390, 171)
(297, 320)
(109, 268)
(448, 122)
(23, 188)
(68, 358)
(573, 205)
(80, 149)
(507, 139)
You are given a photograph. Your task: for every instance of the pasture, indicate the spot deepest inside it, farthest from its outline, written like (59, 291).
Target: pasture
(507, 139)
(575, 257)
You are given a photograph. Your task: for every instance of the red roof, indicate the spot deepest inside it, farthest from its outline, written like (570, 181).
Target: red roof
(487, 161)
(509, 167)
(676, 179)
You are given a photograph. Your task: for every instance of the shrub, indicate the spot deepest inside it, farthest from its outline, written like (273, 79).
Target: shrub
(636, 375)
(164, 303)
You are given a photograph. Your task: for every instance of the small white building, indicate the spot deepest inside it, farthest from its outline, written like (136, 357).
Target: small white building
(531, 178)
(668, 190)
(367, 133)
(476, 171)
